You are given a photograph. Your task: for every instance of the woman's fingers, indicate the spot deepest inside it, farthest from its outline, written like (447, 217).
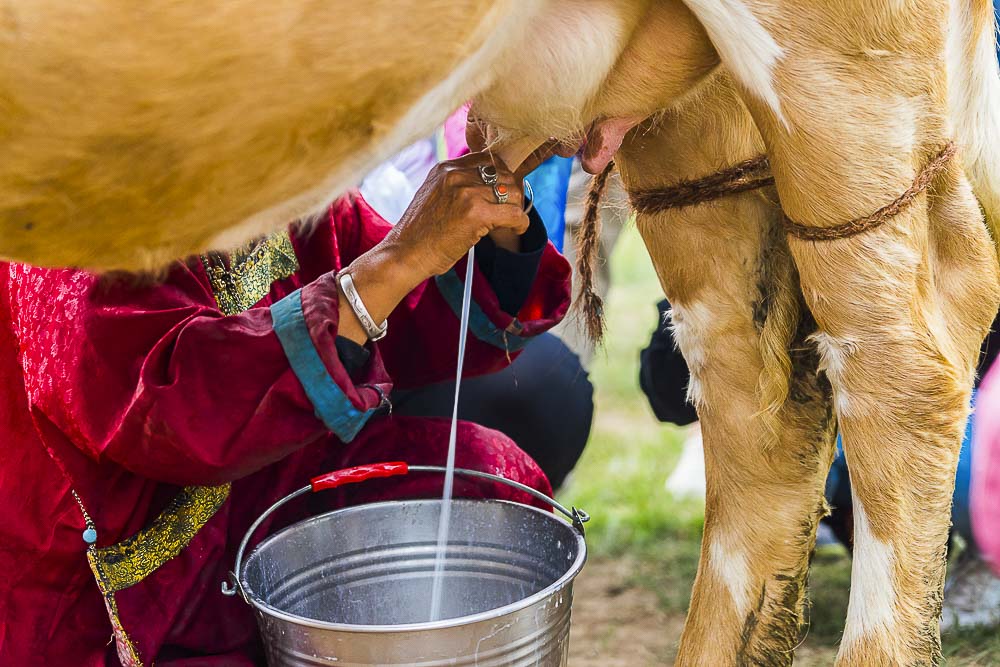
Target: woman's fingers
(478, 159)
(504, 187)
(482, 211)
(465, 171)
(503, 216)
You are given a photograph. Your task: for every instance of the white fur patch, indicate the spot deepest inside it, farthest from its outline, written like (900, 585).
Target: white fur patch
(745, 46)
(873, 593)
(690, 324)
(974, 101)
(901, 135)
(833, 359)
(731, 566)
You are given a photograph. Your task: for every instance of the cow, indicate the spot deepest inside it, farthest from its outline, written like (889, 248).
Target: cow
(133, 135)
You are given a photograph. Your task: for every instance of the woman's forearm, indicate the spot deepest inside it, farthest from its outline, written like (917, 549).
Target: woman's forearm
(383, 277)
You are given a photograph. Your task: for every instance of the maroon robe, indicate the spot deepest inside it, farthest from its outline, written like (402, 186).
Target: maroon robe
(177, 412)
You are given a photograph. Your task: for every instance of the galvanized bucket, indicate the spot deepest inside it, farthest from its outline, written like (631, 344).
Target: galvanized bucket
(353, 586)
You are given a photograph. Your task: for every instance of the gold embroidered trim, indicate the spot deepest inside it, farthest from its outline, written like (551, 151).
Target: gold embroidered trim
(250, 271)
(127, 563)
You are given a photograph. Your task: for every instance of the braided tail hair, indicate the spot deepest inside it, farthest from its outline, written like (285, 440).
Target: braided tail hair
(588, 238)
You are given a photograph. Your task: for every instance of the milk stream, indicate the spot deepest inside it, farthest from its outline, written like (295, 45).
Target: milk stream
(444, 521)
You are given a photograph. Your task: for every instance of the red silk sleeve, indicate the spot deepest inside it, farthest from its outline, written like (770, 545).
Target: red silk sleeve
(156, 379)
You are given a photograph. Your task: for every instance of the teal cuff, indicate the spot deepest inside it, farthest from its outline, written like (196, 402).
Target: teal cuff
(331, 404)
(452, 289)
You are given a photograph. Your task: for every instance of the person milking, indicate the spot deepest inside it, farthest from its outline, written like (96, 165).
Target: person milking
(147, 422)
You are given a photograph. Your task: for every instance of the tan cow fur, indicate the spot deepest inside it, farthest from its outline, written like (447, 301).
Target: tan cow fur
(765, 409)
(136, 133)
(148, 158)
(850, 100)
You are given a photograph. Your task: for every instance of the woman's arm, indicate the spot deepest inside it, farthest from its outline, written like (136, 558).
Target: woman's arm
(157, 380)
(423, 329)
(452, 211)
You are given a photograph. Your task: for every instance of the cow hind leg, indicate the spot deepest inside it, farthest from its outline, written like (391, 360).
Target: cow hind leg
(764, 500)
(738, 320)
(902, 311)
(765, 472)
(765, 409)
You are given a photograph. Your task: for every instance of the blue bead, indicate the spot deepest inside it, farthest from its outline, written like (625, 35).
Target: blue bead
(90, 536)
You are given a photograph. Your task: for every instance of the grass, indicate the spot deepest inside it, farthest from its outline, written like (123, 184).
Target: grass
(620, 481)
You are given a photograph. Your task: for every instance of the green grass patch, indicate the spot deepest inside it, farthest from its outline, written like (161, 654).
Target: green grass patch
(620, 479)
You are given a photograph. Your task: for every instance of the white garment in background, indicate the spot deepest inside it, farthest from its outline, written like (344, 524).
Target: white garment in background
(688, 478)
(390, 187)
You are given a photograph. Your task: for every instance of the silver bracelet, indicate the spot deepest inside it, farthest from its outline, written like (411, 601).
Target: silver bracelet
(373, 331)
(529, 196)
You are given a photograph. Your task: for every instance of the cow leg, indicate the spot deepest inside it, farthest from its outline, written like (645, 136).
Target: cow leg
(765, 477)
(902, 312)
(765, 411)
(852, 101)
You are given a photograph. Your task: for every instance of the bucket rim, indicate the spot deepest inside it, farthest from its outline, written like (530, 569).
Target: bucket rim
(562, 582)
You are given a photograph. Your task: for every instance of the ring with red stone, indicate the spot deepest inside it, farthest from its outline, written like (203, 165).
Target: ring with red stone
(501, 192)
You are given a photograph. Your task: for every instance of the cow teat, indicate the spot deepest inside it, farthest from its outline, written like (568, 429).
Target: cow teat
(604, 138)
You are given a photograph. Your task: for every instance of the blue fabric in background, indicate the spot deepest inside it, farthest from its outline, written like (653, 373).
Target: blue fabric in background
(960, 517)
(550, 183)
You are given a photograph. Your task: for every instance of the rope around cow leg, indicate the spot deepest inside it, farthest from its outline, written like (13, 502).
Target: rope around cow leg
(588, 241)
(884, 214)
(745, 176)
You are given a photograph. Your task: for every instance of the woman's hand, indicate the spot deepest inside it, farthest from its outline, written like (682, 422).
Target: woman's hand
(479, 136)
(450, 213)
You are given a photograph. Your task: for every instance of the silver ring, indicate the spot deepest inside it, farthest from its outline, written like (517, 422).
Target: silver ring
(529, 196)
(501, 196)
(488, 173)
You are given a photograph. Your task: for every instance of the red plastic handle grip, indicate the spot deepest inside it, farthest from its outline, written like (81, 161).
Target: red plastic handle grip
(332, 480)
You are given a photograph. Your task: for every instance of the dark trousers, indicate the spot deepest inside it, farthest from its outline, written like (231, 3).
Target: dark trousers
(544, 402)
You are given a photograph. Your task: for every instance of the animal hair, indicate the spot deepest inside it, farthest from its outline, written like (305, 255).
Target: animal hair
(588, 240)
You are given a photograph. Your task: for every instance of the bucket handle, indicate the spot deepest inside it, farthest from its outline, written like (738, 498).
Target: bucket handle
(332, 480)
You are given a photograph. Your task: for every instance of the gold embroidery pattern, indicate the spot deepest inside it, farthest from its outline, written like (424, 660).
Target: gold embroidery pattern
(250, 272)
(127, 563)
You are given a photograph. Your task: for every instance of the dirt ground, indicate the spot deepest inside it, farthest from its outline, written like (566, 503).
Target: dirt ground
(617, 623)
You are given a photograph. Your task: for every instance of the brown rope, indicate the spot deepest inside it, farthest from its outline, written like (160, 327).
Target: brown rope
(588, 241)
(743, 177)
(869, 222)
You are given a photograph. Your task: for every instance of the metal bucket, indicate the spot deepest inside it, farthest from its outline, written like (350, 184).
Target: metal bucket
(353, 586)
